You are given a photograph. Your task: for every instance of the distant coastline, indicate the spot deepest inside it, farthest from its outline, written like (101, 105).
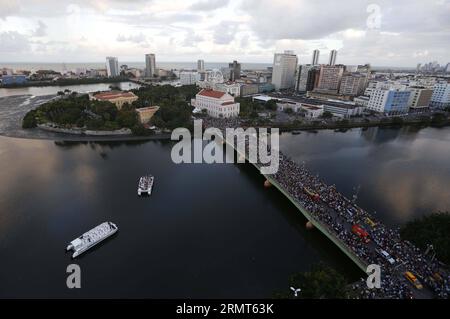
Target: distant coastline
(59, 67)
(164, 65)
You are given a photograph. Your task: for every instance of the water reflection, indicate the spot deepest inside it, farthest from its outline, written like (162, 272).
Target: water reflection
(205, 226)
(400, 171)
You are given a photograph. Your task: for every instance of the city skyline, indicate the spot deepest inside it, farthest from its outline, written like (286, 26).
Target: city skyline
(384, 34)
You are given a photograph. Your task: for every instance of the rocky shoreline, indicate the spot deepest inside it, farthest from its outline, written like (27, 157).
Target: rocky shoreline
(14, 108)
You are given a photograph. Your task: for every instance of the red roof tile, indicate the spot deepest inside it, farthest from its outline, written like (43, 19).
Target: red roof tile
(211, 93)
(113, 95)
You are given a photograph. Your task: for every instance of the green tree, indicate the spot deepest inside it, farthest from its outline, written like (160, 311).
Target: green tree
(327, 115)
(430, 230)
(288, 111)
(319, 283)
(271, 105)
(29, 121)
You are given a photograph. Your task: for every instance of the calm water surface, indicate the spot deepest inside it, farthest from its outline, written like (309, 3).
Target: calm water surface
(82, 88)
(207, 230)
(402, 174)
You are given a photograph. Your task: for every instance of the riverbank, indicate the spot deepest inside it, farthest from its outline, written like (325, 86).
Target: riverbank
(66, 82)
(343, 127)
(14, 108)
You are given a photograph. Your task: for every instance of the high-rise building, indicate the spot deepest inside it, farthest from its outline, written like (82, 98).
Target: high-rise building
(390, 101)
(112, 66)
(353, 84)
(420, 97)
(419, 67)
(315, 59)
(200, 65)
(150, 65)
(447, 69)
(330, 78)
(441, 95)
(307, 78)
(284, 68)
(333, 57)
(189, 77)
(235, 71)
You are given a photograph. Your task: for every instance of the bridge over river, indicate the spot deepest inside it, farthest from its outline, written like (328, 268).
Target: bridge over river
(359, 235)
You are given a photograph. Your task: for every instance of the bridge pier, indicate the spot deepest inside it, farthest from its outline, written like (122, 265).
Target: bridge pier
(309, 225)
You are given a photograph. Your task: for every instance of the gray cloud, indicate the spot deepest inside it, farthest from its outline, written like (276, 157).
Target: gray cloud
(8, 8)
(137, 38)
(307, 20)
(209, 5)
(411, 31)
(225, 32)
(191, 39)
(41, 30)
(13, 42)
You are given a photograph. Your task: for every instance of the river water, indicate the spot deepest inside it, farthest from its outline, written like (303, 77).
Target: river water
(49, 90)
(207, 230)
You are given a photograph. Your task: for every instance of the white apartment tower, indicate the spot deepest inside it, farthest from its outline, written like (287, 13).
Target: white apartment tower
(315, 59)
(112, 66)
(284, 68)
(333, 57)
(150, 65)
(200, 65)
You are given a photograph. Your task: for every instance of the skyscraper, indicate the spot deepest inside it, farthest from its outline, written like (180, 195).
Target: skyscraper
(150, 65)
(353, 84)
(307, 77)
(112, 66)
(200, 65)
(235, 71)
(330, 78)
(315, 59)
(284, 68)
(333, 57)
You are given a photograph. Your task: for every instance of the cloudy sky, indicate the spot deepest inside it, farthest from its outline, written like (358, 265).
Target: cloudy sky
(381, 32)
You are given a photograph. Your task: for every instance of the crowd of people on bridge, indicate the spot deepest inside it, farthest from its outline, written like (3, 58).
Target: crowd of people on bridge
(338, 215)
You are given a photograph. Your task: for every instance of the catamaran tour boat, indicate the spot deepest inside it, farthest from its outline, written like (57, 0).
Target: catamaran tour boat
(91, 238)
(145, 185)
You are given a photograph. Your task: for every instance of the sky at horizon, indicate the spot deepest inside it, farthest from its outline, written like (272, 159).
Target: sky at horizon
(386, 33)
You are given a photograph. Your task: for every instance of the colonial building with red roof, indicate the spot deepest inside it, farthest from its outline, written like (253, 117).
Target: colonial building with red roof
(216, 103)
(119, 98)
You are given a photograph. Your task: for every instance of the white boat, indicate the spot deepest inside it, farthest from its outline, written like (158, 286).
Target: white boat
(91, 238)
(145, 185)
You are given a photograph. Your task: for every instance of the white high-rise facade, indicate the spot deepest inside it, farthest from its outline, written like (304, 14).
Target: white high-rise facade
(315, 59)
(189, 77)
(284, 68)
(200, 65)
(150, 65)
(333, 57)
(390, 101)
(441, 95)
(112, 66)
